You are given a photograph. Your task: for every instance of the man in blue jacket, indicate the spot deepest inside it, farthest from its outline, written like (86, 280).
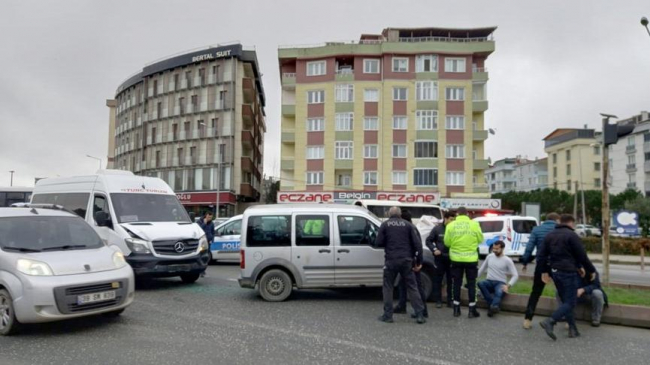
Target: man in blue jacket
(534, 242)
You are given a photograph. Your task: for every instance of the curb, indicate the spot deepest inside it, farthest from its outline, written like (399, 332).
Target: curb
(614, 285)
(624, 315)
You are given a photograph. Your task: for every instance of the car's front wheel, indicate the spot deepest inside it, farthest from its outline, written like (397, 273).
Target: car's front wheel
(275, 286)
(8, 322)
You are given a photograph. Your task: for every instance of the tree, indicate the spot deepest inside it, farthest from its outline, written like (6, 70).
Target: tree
(640, 205)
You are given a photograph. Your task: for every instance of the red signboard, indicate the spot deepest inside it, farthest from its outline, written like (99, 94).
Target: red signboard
(205, 198)
(304, 197)
(327, 197)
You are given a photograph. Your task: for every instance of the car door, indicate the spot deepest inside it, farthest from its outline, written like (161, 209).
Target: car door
(101, 204)
(227, 238)
(313, 250)
(357, 262)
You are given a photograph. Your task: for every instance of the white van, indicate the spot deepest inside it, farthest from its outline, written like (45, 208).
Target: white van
(141, 215)
(513, 230)
(313, 246)
(380, 209)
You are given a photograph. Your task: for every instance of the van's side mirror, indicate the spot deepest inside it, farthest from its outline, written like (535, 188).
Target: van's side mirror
(103, 219)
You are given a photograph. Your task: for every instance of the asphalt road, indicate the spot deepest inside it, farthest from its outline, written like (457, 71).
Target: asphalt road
(621, 274)
(216, 322)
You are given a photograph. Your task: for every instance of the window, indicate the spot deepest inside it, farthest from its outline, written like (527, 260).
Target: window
(344, 150)
(455, 93)
(344, 121)
(399, 122)
(568, 184)
(76, 202)
(370, 124)
(370, 178)
(100, 205)
(230, 229)
(455, 151)
(427, 119)
(370, 151)
(491, 226)
(315, 152)
(356, 231)
(315, 96)
(568, 169)
(399, 178)
(456, 178)
(315, 124)
(596, 166)
(315, 178)
(455, 122)
(630, 159)
(630, 141)
(269, 231)
(426, 63)
(312, 230)
(555, 158)
(344, 180)
(597, 148)
(426, 149)
(426, 90)
(568, 155)
(425, 177)
(399, 93)
(371, 66)
(647, 156)
(523, 225)
(399, 150)
(344, 93)
(597, 183)
(455, 65)
(630, 178)
(400, 64)
(371, 95)
(554, 171)
(316, 68)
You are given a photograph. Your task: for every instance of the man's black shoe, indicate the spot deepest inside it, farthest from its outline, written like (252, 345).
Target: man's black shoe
(573, 332)
(595, 324)
(438, 304)
(456, 310)
(494, 309)
(425, 315)
(473, 313)
(420, 319)
(399, 310)
(490, 312)
(385, 319)
(548, 325)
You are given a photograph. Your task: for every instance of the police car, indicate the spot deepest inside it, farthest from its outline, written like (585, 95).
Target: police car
(514, 231)
(227, 238)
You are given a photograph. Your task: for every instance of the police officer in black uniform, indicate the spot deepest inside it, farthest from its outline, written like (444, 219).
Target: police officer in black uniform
(435, 242)
(402, 247)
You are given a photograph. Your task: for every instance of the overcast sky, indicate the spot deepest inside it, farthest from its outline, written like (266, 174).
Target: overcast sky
(556, 64)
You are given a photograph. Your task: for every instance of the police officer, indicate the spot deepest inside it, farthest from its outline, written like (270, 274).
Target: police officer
(435, 243)
(463, 236)
(402, 246)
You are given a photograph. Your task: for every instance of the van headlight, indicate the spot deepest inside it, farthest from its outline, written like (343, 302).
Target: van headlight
(118, 260)
(137, 245)
(203, 243)
(34, 268)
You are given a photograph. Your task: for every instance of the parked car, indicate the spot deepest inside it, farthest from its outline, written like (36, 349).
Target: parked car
(514, 231)
(227, 239)
(584, 230)
(280, 252)
(141, 215)
(54, 266)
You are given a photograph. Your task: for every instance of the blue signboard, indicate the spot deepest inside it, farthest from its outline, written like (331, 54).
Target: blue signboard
(626, 222)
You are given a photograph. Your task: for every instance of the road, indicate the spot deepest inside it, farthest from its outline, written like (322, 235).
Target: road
(216, 322)
(620, 274)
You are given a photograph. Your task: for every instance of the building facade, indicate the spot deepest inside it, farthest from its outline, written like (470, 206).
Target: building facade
(531, 175)
(574, 158)
(195, 120)
(629, 166)
(396, 112)
(501, 177)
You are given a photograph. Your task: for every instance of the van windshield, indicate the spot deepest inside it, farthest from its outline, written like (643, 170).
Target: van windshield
(43, 233)
(381, 211)
(148, 208)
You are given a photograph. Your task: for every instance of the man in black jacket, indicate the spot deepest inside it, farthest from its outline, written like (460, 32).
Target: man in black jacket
(401, 305)
(402, 246)
(562, 255)
(442, 265)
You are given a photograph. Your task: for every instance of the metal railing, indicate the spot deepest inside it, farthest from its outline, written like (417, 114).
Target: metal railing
(288, 74)
(380, 41)
(479, 69)
(345, 71)
(445, 39)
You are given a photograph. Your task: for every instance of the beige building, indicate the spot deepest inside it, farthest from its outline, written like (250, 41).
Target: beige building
(574, 157)
(196, 120)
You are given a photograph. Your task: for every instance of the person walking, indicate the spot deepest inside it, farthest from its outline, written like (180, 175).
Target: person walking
(403, 256)
(401, 306)
(563, 256)
(498, 267)
(534, 242)
(462, 237)
(442, 264)
(207, 225)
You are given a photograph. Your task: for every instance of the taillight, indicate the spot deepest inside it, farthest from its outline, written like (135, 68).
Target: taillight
(242, 259)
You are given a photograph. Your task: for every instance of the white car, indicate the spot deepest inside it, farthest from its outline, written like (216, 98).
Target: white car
(584, 230)
(514, 231)
(227, 239)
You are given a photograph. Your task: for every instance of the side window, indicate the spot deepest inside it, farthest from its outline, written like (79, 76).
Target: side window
(269, 231)
(356, 231)
(230, 229)
(100, 205)
(312, 230)
(76, 202)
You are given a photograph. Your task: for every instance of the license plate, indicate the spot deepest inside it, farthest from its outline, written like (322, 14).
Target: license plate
(95, 297)
(177, 268)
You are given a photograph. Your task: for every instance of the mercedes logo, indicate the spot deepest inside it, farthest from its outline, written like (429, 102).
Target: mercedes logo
(179, 247)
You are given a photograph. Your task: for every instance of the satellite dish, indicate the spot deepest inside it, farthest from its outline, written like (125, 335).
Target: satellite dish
(492, 131)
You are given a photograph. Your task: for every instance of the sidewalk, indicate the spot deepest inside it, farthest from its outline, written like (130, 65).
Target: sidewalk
(619, 259)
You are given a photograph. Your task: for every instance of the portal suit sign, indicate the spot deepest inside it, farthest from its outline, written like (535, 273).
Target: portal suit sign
(627, 223)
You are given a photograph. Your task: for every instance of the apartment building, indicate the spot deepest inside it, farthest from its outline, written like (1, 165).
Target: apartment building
(629, 166)
(500, 176)
(398, 112)
(531, 175)
(574, 158)
(196, 120)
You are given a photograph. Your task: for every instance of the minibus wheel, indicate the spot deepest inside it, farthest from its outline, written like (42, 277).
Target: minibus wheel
(8, 322)
(275, 286)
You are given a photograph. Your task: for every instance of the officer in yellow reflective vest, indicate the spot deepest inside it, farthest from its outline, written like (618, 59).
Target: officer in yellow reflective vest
(463, 236)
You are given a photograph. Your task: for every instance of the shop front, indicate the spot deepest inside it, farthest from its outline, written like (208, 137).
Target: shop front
(197, 203)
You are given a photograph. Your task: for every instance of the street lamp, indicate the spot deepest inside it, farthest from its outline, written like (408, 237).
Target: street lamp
(605, 201)
(12, 177)
(96, 158)
(644, 22)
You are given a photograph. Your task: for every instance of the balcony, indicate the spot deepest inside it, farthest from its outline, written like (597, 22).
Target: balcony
(287, 164)
(288, 136)
(247, 164)
(630, 149)
(289, 79)
(631, 185)
(345, 74)
(289, 110)
(247, 190)
(247, 138)
(479, 74)
(479, 106)
(631, 167)
(646, 147)
(480, 135)
(481, 164)
(481, 188)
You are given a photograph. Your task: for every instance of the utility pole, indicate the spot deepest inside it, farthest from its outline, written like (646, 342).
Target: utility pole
(575, 201)
(605, 205)
(12, 178)
(584, 207)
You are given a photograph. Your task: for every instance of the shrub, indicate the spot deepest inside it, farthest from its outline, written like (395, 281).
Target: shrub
(617, 245)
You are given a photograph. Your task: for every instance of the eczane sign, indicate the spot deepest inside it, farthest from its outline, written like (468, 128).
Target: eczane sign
(329, 197)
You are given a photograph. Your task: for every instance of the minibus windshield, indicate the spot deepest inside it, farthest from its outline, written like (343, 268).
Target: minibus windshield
(131, 208)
